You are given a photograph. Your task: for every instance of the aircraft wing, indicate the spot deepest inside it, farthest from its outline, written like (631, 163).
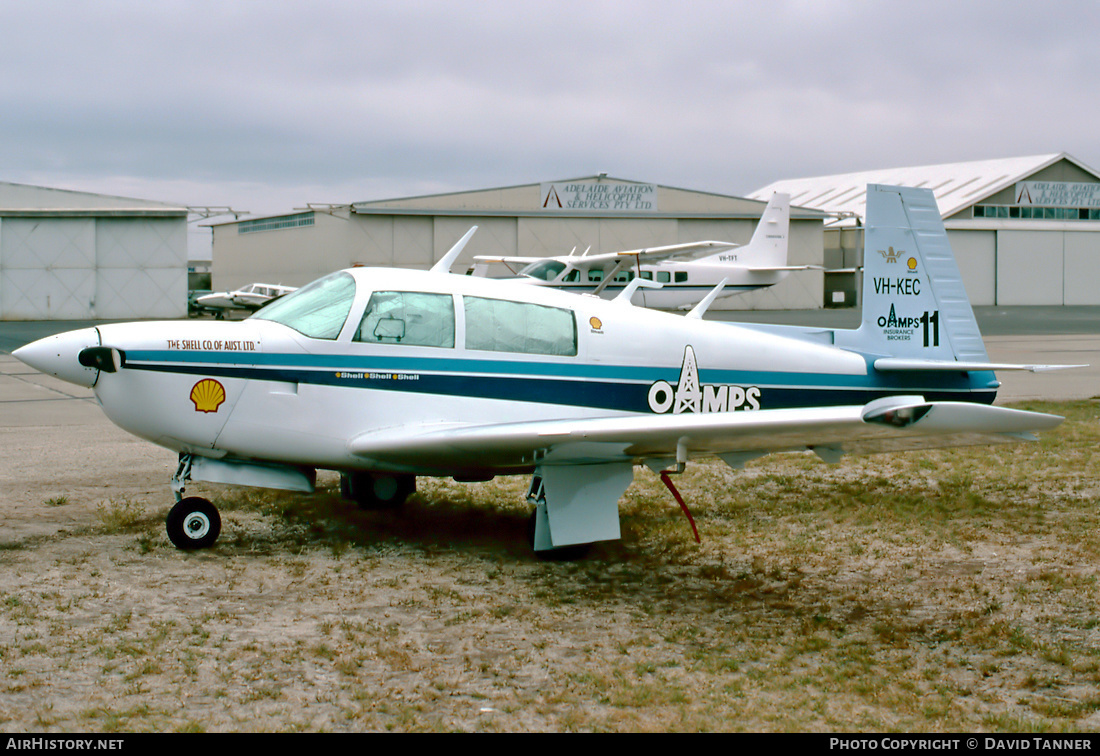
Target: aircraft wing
(647, 255)
(506, 259)
(606, 259)
(889, 424)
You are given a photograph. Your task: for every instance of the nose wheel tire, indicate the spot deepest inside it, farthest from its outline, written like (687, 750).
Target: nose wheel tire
(193, 523)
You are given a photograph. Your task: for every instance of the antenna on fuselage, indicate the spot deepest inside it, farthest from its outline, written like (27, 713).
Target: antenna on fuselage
(628, 290)
(705, 302)
(444, 264)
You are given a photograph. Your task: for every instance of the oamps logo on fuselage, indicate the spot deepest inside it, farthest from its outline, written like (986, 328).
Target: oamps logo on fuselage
(689, 396)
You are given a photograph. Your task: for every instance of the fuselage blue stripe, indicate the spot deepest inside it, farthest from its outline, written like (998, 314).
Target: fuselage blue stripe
(777, 390)
(571, 370)
(410, 364)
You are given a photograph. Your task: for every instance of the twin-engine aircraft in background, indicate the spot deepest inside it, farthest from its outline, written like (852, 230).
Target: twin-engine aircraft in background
(251, 298)
(388, 374)
(672, 277)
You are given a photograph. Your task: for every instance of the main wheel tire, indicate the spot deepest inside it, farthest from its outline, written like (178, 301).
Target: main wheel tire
(193, 523)
(372, 491)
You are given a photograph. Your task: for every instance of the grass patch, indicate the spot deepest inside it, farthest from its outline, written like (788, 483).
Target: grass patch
(121, 515)
(940, 591)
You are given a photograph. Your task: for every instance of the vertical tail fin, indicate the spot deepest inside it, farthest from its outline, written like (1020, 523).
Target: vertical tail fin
(768, 246)
(914, 302)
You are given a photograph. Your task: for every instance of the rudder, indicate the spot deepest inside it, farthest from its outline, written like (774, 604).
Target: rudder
(914, 301)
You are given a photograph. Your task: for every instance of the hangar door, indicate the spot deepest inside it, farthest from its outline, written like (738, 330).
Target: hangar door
(141, 268)
(976, 256)
(84, 268)
(47, 268)
(1047, 267)
(1082, 268)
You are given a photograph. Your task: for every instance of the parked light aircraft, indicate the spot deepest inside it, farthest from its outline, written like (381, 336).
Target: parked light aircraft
(388, 374)
(685, 277)
(251, 297)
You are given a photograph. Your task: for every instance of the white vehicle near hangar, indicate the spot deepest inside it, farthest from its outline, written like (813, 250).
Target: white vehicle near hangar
(388, 374)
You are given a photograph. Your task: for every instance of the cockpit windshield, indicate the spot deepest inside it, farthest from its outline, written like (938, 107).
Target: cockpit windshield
(317, 310)
(544, 270)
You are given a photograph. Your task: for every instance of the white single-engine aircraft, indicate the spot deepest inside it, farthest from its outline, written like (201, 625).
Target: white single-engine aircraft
(387, 374)
(251, 297)
(684, 277)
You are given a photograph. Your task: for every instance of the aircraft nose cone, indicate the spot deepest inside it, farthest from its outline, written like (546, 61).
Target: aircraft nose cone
(58, 356)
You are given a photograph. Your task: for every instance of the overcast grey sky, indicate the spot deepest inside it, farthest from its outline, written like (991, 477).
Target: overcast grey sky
(265, 106)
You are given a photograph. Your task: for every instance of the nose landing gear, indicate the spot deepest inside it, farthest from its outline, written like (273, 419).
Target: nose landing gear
(193, 523)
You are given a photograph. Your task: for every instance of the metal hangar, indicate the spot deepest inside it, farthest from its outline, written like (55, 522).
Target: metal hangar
(596, 213)
(68, 255)
(1025, 230)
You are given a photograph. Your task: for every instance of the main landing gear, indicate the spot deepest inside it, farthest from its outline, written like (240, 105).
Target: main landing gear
(377, 490)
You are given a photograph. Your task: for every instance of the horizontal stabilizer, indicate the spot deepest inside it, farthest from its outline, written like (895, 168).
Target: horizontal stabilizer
(900, 364)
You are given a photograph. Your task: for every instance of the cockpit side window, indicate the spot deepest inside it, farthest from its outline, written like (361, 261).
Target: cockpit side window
(408, 317)
(500, 326)
(317, 310)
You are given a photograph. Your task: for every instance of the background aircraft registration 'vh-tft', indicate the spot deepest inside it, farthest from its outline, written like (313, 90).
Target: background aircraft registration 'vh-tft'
(388, 374)
(675, 276)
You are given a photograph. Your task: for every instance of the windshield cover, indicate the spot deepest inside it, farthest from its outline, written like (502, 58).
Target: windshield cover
(317, 310)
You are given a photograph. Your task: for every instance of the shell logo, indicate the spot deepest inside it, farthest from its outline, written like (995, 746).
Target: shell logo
(912, 263)
(595, 323)
(207, 395)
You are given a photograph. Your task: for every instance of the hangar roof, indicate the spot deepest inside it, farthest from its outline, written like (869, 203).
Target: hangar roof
(955, 185)
(24, 200)
(529, 199)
